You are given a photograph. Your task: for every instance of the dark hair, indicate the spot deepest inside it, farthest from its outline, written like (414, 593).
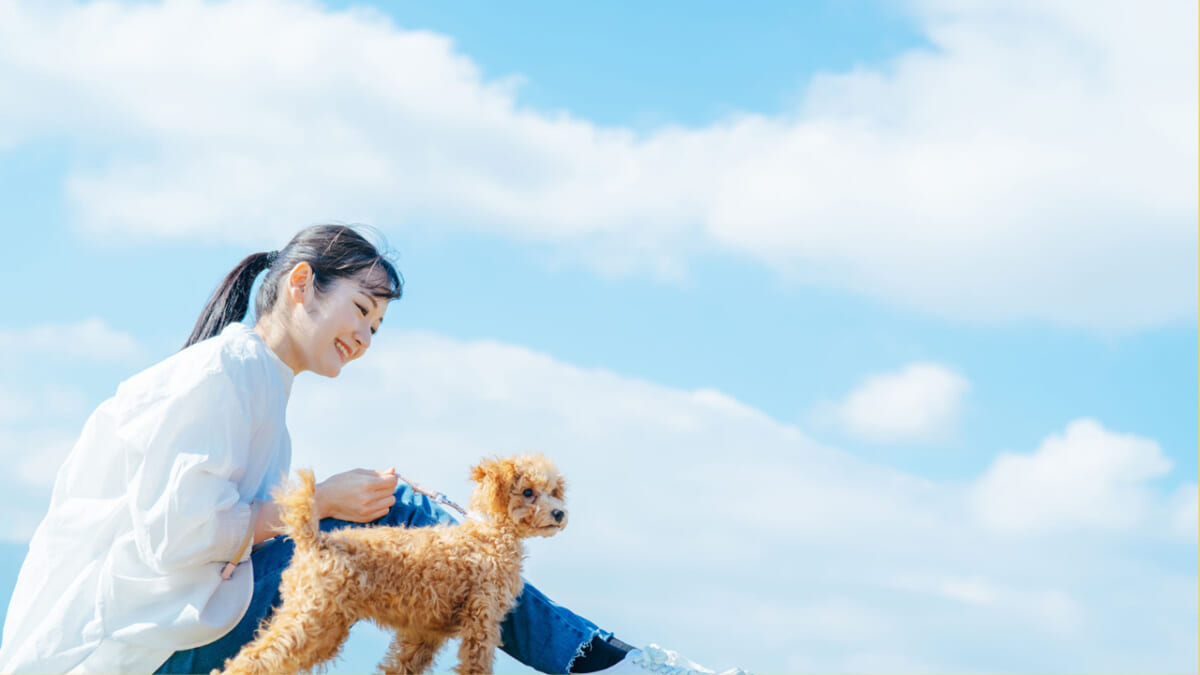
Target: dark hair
(333, 251)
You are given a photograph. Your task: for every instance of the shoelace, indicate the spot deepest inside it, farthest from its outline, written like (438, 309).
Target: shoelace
(661, 667)
(664, 661)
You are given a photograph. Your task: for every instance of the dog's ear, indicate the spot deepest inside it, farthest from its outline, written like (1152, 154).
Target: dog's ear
(477, 473)
(560, 488)
(496, 478)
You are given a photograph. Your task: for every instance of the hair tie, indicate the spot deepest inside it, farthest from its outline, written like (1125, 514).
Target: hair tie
(271, 256)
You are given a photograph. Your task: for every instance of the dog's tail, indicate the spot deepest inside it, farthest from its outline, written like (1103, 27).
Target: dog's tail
(298, 513)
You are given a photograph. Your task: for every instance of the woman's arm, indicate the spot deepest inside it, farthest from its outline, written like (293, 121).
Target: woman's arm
(358, 496)
(186, 431)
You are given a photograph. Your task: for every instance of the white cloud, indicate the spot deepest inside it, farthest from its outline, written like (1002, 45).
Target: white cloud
(40, 417)
(921, 401)
(1039, 161)
(1184, 508)
(19, 523)
(32, 456)
(1088, 477)
(1052, 608)
(14, 406)
(40, 401)
(87, 340)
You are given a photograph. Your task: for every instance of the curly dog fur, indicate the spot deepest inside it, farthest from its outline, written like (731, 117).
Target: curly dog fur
(426, 584)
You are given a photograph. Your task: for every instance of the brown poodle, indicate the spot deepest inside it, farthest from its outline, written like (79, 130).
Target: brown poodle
(427, 584)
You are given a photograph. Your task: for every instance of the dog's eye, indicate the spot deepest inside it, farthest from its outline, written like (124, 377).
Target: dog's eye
(528, 492)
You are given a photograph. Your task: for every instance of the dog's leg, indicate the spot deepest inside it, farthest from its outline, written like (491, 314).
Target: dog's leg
(480, 636)
(411, 653)
(296, 638)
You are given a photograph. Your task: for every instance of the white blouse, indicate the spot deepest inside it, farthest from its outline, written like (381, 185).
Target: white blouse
(150, 504)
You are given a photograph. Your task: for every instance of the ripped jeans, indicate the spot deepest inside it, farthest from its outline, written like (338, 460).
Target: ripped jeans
(537, 632)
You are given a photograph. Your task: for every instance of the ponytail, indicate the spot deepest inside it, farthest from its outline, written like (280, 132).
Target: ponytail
(333, 251)
(231, 299)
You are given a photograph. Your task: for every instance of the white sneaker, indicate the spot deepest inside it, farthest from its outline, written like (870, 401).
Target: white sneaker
(655, 659)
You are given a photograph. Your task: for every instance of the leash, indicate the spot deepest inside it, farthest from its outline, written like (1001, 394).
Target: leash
(434, 495)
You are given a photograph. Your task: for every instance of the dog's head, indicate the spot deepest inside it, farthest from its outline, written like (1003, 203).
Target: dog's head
(524, 491)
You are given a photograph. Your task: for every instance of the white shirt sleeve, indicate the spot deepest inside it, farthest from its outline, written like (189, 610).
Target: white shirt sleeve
(185, 452)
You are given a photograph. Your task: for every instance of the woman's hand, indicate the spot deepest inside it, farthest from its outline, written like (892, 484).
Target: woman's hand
(358, 496)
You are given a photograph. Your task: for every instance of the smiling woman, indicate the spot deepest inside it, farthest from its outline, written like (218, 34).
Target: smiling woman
(169, 484)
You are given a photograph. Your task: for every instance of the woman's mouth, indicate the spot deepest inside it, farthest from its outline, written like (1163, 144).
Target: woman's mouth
(342, 350)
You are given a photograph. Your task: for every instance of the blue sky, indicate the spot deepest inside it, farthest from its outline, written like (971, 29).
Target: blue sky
(862, 330)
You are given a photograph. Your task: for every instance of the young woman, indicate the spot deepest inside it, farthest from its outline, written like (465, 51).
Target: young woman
(139, 565)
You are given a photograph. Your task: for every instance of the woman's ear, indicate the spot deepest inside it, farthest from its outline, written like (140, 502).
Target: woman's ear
(300, 283)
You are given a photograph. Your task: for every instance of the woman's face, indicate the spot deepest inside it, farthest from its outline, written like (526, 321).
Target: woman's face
(337, 326)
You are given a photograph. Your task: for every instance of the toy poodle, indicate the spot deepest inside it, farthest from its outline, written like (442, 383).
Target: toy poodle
(427, 584)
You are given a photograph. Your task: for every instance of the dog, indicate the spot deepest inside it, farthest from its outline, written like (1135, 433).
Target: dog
(426, 584)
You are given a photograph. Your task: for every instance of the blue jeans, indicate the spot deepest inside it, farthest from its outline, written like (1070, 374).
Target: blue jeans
(537, 632)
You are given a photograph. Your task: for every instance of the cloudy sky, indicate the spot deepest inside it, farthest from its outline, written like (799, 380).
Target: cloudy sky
(866, 332)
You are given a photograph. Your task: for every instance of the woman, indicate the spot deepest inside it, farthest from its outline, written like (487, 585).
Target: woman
(139, 565)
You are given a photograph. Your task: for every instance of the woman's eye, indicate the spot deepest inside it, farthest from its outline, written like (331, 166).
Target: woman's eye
(361, 309)
(528, 492)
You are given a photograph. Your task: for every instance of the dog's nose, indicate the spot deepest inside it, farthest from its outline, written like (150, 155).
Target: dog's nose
(557, 514)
